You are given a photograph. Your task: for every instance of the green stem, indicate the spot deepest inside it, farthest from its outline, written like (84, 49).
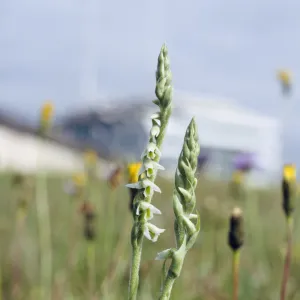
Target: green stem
(235, 274)
(91, 267)
(164, 95)
(287, 263)
(44, 236)
(137, 249)
(135, 268)
(167, 288)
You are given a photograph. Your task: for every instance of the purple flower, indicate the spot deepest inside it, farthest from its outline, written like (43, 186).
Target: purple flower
(245, 162)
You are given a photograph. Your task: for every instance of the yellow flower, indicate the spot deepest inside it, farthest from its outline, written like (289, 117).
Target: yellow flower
(238, 176)
(79, 179)
(284, 76)
(90, 157)
(289, 172)
(47, 111)
(133, 171)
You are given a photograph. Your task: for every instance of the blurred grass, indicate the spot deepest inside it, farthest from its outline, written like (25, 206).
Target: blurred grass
(207, 268)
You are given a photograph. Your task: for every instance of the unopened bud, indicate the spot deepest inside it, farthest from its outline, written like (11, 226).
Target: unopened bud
(289, 189)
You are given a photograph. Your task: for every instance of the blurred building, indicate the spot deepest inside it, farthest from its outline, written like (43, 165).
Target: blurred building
(121, 131)
(23, 150)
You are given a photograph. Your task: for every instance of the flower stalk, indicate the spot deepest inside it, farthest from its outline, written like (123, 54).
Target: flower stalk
(187, 224)
(43, 212)
(150, 165)
(236, 241)
(289, 195)
(89, 215)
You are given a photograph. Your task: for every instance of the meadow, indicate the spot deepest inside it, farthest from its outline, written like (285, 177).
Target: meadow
(207, 268)
(82, 237)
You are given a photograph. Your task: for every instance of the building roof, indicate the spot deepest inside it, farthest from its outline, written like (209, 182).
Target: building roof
(215, 107)
(222, 122)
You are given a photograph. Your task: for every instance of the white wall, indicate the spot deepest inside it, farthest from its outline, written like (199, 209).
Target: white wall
(27, 153)
(227, 127)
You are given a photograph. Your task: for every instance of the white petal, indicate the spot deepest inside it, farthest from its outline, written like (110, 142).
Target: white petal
(138, 209)
(137, 185)
(155, 131)
(155, 229)
(155, 238)
(147, 163)
(147, 233)
(155, 115)
(150, 228)
(157, 121)
(147, 182)
(155, 210)
(158, 166)
(164, 254)
(142, 170)
(146, 205)
(151, 147)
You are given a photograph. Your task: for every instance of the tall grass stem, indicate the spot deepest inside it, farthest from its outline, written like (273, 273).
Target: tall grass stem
(287, 263)
(91, 267)
(235, 274)
(44, 226)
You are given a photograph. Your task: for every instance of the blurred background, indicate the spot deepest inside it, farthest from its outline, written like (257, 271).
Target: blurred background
(91, 57)
(96, 61)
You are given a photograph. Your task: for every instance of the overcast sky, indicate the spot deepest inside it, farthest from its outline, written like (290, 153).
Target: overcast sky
(71, 50)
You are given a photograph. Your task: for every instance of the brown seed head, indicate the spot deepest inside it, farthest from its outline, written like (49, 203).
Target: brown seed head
(236, 229)
(115, 178)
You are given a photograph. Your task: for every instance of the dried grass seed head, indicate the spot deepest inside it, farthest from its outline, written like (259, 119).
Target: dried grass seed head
(236, 229)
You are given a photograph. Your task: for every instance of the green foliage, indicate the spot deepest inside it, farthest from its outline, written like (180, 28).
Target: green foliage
(207, 268)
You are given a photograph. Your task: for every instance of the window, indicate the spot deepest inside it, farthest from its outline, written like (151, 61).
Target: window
(103, 132)
(78, 131)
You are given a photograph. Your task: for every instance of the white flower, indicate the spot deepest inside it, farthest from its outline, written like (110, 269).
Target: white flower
(148, 208)
(151, 151)
(150, 166)
(146, 184)
(155, 115)
(155, 130)
(164, 254)
(152, 232)
(155, 118)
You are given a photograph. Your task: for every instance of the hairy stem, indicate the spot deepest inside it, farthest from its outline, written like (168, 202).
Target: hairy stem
(135, 268)
(163, 92)
(167, 288)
